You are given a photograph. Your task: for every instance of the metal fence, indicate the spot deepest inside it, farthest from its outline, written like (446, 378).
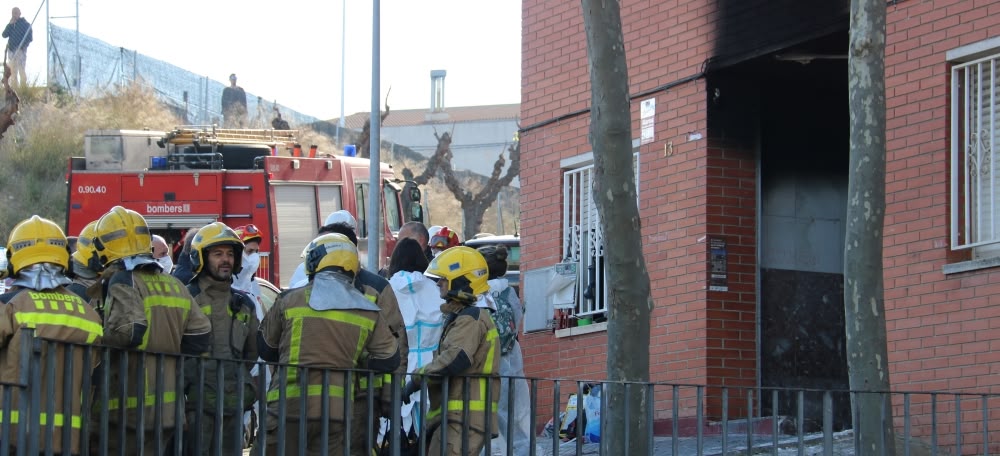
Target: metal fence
(42, 413)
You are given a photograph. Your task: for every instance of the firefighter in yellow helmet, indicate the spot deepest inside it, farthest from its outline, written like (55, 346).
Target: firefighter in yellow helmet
(86, 264)
(468, 357)
(144, 309)
(216, 253)
(327, 324)
(38, 258)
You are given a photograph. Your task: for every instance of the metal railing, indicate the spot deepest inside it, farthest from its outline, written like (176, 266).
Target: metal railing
(84, 402)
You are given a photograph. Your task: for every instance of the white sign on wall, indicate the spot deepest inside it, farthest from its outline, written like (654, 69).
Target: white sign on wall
(647, 116)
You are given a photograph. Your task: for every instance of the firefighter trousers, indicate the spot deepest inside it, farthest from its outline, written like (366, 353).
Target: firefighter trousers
(475, 440)
(314, 439)
(232, 426)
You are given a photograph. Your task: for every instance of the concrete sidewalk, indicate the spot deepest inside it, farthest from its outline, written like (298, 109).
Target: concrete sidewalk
(735, 444)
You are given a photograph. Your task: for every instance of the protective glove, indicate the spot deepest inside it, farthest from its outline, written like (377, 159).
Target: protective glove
(408, 390)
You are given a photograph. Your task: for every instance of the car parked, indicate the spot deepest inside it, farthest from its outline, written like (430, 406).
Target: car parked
(268, 293)
(513, 244)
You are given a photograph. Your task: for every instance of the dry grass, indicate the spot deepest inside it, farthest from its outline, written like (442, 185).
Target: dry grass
(34, 155)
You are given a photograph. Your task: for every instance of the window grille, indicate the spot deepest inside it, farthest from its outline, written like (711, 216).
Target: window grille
(583, 239)
(975, 196)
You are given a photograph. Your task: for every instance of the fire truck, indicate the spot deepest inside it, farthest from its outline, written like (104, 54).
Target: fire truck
(194, 175)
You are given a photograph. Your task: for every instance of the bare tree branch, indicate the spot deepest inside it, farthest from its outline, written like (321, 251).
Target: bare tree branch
(364, 139)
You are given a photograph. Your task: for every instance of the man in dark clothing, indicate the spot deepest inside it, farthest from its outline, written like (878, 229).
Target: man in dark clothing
(234, 104)
(18, 34)
(216, 253)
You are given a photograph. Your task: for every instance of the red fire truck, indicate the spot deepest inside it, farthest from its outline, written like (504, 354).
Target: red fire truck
(192, 176)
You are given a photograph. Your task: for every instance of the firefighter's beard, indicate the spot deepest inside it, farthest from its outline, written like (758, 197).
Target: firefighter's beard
(42, 276)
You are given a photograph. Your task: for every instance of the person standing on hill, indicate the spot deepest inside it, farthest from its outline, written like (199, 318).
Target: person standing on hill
(234, 104)
(18, 34)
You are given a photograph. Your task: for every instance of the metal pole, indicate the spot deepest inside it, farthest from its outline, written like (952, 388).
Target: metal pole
(48, 46)
(343, 65)
(374, 149)
(79, 58)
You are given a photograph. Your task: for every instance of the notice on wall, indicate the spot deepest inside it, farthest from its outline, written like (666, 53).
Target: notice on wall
(647, 116)
(718, 278)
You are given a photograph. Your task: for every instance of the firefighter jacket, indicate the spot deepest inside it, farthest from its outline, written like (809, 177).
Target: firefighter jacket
(334, 340)
(469, 348)
(233, 315)
(378, 290)
(147, 310)
(56, 315)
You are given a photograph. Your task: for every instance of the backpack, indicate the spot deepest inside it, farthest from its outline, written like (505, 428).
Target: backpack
(504, 320)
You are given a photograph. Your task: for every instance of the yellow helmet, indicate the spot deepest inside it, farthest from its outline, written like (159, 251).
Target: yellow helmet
(465, 270)
(213, 235)
(86, 254)
(36, 240)
(122, 233)
(332, 250)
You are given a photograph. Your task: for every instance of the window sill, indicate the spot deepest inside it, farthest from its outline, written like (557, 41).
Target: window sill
(581, 330)
(971, 265)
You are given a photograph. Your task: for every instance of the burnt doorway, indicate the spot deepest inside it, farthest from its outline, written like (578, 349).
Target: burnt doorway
(804, 157)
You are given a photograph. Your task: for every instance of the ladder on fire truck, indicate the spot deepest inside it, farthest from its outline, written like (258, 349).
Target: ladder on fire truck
(209, 135)
(191, 141)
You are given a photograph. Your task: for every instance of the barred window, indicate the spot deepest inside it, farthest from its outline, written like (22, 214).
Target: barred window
(975, 184)
(583, 239)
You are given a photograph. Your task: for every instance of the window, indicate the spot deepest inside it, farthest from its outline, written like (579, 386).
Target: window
(361, 204)
(975, 183)
(583, 240)
(391, 198)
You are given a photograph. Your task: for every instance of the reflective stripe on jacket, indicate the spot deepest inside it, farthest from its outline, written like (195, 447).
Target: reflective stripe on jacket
(158, 307)
(333, 340)
(377, 290)
(470, 350)
(56, 315)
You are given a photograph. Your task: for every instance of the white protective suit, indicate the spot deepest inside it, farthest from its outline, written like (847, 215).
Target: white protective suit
(420, 303)
(514, 423)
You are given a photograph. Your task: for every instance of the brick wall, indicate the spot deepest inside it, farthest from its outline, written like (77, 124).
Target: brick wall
(732, 315)
(942, 328)
(664, 43)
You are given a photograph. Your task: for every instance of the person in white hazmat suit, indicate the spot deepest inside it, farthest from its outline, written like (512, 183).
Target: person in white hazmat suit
(341, 217)
(420, 303)
(513, 417)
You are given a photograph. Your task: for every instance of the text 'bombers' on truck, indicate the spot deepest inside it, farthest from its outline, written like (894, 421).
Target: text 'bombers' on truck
(195, 175)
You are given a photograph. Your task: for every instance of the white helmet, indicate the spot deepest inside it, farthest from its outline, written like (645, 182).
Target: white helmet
(341, 217)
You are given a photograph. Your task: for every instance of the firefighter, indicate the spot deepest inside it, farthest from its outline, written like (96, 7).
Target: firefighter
(86, 265)
(327, 324)
(445, 238)
(216, 254)
(377, 289)
(468, 357)
(38, 258)
(144, 309)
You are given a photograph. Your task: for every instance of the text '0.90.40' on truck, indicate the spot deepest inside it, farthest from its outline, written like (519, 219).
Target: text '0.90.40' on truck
(192, 176)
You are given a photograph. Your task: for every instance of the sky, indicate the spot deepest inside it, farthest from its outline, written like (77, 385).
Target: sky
(290, 50)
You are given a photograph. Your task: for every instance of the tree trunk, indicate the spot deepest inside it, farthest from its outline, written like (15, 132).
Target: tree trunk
(629, 302)
(864, 306)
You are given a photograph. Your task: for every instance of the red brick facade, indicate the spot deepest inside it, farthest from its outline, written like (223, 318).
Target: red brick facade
(944, 330)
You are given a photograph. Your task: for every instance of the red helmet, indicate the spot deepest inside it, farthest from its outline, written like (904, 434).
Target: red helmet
(444, 239)
(248, 233)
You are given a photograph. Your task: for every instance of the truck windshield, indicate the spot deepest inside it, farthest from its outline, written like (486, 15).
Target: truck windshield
(392, 215)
